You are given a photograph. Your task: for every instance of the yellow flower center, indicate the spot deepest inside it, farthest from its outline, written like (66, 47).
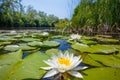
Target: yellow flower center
(65, 61)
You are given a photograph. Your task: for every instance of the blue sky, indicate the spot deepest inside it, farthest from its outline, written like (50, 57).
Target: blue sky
(60, 8)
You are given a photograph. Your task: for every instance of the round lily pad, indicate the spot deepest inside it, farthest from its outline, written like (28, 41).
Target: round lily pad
(50, 44)
(29, 39)
(81, 47)
(26, 47)
(11, 47)
(35, 43)
(89, 42)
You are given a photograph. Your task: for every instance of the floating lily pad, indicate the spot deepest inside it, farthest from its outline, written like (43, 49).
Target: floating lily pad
(115, 46)
(102, 74)
(29, 68)
(106, 40)
(89, 42)
(104, 36)
(7, 38)
(5, 43)
(107, 49)
(29, 39)
(7, 62)
(107, 60)
(11, 47)
(35, 43)
(50, 44)
(26, 47)
(52, 51)
(103, 49)
(81, 47)
(90, 61)
(57, 37)
(1, 47)
(18, 36)
(71, 41)
(86, 38)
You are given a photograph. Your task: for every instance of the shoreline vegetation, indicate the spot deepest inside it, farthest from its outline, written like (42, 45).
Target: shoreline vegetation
(90, 17)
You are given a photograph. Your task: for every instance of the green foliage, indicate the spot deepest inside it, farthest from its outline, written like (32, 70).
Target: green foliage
(97, 12)
(63, 23)
(12, 14)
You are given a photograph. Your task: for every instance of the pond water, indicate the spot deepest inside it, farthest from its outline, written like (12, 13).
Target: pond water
(63, 44)
(101, 53)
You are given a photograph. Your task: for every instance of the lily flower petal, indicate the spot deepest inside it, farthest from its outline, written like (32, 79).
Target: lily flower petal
(75, 74)
(49, 62)
(46, 68)
(80, 68)
(51, 73)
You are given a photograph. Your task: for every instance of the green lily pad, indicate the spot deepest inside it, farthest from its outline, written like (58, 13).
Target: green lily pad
(49, 44)
(71, 41)
(7, 38)
(29, 39)
(35, 43)
(29, 68)
(90, 61)
(107, 60)
(57, 37)
(52, 51)
(106, 49)
(5, 43)
(115, 46)
(102, 74)
(103, 49)
(1, 47)
(81, 47)
(11, 47)
(106, 40)
(18, 36)
(86, 38)
(89, 42)
(104, 36)
(7, 62)
(26, 47)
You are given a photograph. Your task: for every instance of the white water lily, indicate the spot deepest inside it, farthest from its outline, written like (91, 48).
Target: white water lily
(64, 63)
(75, 36)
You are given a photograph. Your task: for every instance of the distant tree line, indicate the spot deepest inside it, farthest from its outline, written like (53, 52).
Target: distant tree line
(12, 14)
(97, 15)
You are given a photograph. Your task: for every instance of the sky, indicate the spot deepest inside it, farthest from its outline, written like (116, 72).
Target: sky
(60, 8)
